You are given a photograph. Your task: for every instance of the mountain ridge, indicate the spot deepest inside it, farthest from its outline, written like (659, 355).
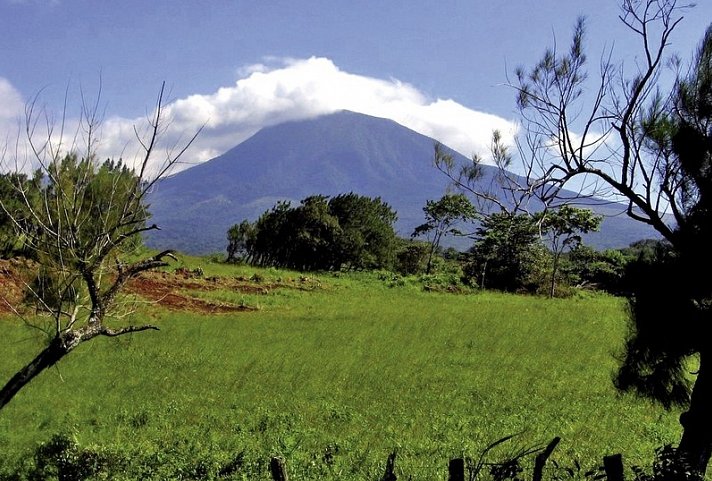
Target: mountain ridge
(331, 154)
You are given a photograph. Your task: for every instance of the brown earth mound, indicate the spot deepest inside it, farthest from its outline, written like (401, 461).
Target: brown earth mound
(168, 290)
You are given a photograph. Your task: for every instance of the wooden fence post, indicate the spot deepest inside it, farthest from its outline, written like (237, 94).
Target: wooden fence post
(542, 457)
(456, 470)
(278, 469)
(390, 474)
(613, 466)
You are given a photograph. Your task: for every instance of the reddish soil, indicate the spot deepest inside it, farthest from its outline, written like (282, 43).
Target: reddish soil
(169, 291)
(14, 274)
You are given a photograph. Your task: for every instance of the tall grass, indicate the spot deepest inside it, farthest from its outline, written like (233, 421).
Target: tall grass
(334, 378)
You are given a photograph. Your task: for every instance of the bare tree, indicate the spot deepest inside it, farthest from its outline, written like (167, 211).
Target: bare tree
(78, 222)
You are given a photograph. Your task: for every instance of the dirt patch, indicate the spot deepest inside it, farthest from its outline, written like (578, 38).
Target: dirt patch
(171, 290)
(14, 276)
(168, 290)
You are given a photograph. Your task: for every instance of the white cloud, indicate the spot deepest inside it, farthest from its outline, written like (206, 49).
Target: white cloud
(291, 89)
(11, 103)
(11, 107)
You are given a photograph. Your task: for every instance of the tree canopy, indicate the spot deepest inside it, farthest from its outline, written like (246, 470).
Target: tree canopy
(564, 226)
(443, 217)
(12, 213)
(506, 252)
(346, 231)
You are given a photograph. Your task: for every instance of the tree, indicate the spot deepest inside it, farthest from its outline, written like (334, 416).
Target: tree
(623, 140)
(506, 252)
(564, 226)
(605, 270)
(85, 217)
(442, 218)
(367, 239)
(312, 232)
(271, 245)
(12, 211)
(411, 257)
(348, 230)
(241, 239)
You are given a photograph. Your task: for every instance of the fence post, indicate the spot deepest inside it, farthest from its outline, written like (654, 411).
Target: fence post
(613, 466)
(390, 474)
(542, 457)
(278, 469)
(456, 470)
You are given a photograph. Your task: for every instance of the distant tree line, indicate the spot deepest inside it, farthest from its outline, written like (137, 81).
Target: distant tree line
(539, 253)
(524, 252)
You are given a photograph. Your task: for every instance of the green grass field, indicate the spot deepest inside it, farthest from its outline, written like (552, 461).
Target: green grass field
(333, 378)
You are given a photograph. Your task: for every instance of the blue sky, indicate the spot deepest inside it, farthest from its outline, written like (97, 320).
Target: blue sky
(438, 67)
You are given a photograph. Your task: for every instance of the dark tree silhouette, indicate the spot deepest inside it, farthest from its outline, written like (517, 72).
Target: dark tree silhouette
(240, 239)
(679, 132)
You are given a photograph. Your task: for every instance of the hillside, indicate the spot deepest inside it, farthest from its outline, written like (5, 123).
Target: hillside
(332, 154)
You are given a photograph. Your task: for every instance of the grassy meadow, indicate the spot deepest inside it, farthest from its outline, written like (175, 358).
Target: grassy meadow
(334, 375)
